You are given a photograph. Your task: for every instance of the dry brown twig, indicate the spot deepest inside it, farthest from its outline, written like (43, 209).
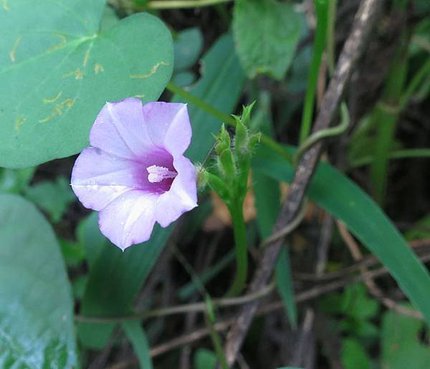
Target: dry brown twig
(301, 297)
(332, 281)
(352, 49)
(341, 280)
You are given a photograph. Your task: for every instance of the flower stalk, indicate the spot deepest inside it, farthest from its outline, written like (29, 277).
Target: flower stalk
(241, 248)
(230, 182)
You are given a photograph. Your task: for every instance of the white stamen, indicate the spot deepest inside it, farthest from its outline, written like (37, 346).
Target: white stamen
(156, 174)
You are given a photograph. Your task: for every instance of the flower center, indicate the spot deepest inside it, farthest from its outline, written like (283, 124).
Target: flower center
(156, 174)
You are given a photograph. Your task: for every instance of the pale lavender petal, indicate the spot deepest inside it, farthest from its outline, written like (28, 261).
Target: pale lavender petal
(129, 219)
(168, 125)
(99, 178)
(182, 195)
(120, 130)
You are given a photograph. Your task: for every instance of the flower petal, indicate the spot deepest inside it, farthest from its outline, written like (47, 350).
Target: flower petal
(120, 130)
(182, 195)
(168, 125)
(129, 219)
(99, 178)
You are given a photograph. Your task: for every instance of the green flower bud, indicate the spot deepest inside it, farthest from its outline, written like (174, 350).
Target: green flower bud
(223, 141)
(219, 186)
(254, 140)
(226, 164)
(242, 136)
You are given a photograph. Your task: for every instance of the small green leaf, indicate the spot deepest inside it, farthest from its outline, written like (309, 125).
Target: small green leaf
(73, 252)
(36, 307)
(90, 237)
(204, 359)
(57, 69)
(420, 230)
(266, 34)
(52, 197)
(357, 309)
(353, 355)
(187, 47)
(401, 347)
(357, 304)
(15, 180)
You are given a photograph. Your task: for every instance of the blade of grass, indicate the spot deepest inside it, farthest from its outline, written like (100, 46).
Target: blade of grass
(420, 76)
(385, 117)
(399, 154)
(285, 286)
(386, 113)
(342, 198)
(137, 337)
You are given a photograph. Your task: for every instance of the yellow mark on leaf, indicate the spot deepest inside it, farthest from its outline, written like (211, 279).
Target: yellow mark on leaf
(86, 57)
(12, 52)
(98, 68)
(50, 100)
(140, 96)
(19, 121)
(59, 109)
(61, 43)
(151, 72)
(78, 74)
(5, 5)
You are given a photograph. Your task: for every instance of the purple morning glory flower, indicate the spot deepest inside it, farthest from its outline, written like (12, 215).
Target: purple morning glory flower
(134, 173)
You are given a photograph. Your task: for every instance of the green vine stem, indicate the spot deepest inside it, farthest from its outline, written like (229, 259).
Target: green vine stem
(241, 249)
(325, 133)
(398, 154)
(321, 7)
(210, 320)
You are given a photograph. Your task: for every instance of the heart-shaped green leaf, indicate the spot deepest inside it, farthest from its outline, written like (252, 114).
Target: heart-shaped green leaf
(400, 343)
(36, 322)
(57, 69)
(266, 34)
